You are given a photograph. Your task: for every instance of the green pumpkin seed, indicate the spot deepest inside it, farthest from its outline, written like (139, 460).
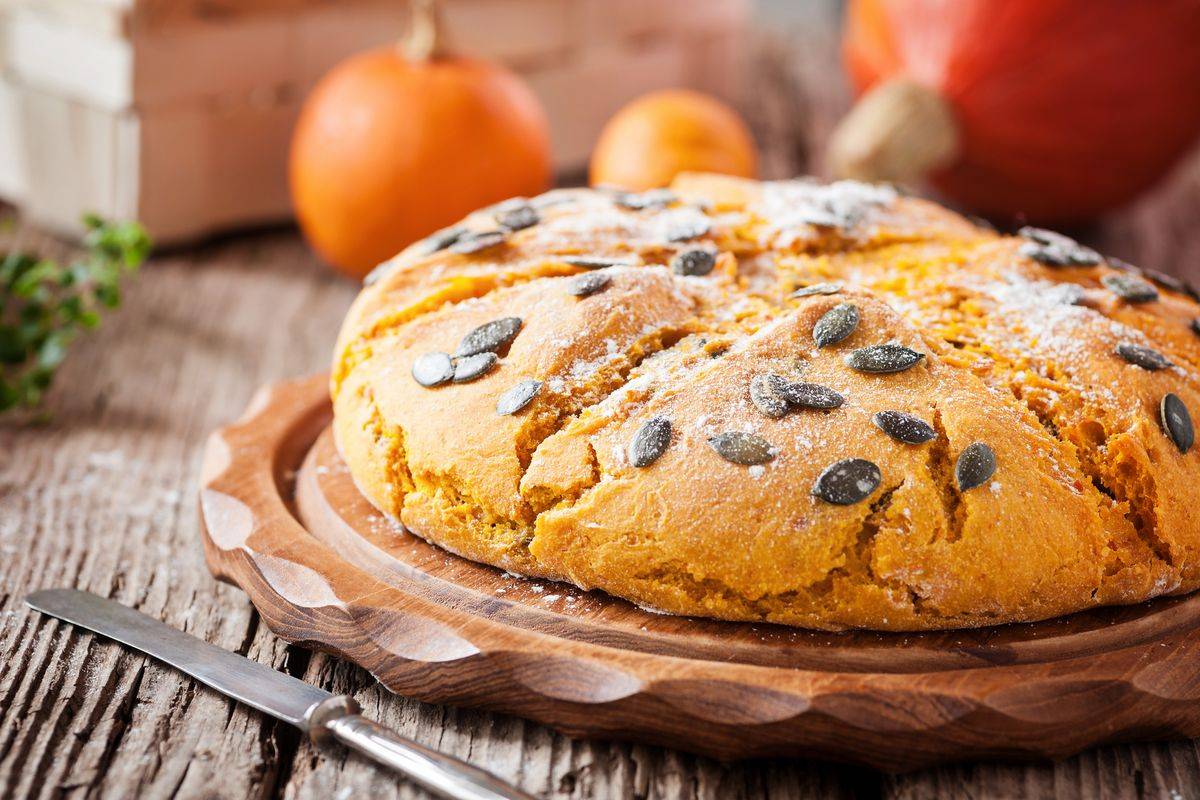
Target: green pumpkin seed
(904, 427)
(836, 324)
(650, 442)
(1130, 288)
(812, 395)
(588, 284)
(1142, 357)
(767, 394)
(817, 289)
(434, 242)
(440, 240)
(847, 482)
(518, 397)
(475, 242)
(1055, 250)
(1169, 282)
(433, 369)
(1177, 422)
(975, 466)
(472, 367)
(883, 358)
(694, 262)
(638, 201)
(518, 218)
(489, 337)
(742, 448)
(596, 262)
(1123, 265)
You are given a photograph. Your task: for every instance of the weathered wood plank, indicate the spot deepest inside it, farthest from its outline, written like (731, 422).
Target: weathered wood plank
(103, 498)
(1167, 770)
(550, 765)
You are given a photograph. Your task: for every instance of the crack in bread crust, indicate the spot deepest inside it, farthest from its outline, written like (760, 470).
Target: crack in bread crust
(1090, 502)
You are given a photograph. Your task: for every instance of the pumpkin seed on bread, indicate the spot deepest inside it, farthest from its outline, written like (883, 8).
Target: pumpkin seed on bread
(853, 409)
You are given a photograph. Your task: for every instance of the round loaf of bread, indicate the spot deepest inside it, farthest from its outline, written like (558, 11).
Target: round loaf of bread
(827, 406)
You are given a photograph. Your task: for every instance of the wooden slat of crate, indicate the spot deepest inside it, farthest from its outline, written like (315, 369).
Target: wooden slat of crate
(716, 62)
(325, 35)
(212, 59)
(232, 160)
(611, 76)
(184, 94)
(62, 49)
(191, 63)
(78, 157)
(183, 171)
(70, 61)
(517, 32)
(12, 167)
(623, 20)
(147, 15)
(101, 60)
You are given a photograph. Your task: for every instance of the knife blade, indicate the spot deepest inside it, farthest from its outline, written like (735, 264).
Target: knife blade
(322, 715)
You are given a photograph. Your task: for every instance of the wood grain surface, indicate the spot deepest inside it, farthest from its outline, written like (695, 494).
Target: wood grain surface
(284, 520)
(103, 498)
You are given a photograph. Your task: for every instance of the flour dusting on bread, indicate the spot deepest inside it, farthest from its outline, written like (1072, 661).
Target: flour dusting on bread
(820, 405)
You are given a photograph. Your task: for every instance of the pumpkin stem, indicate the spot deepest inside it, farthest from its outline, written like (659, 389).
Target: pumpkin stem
(899, 131)
(423, 41)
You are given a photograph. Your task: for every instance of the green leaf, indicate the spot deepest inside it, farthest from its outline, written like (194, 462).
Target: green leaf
(12, 345)
(44, 306)
(32, 313)
(30, 280)
(9, 396)
(14, 264)
(109, 295)
(39, 378)
(54, 350)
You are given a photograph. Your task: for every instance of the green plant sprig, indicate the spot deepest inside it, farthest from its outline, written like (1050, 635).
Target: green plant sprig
(44, 305)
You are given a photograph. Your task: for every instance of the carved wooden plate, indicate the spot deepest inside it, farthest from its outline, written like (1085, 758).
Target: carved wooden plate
(284, 521)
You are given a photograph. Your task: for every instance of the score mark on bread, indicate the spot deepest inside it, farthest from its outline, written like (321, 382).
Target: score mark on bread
(820, 405)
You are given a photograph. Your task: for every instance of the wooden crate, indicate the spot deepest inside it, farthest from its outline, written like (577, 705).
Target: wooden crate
(178, 112)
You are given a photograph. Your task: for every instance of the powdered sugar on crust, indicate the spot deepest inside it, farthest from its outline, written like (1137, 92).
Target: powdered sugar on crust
(1056, 323)
(794, 211)
(1017, 356)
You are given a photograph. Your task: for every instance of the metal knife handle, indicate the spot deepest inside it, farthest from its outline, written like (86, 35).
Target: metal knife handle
(444, 775)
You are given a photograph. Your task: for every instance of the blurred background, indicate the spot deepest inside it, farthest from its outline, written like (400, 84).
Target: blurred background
(371, 124)
(178, 113)
(186, 115)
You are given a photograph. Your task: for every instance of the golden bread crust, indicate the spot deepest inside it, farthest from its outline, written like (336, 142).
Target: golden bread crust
(1091, 501)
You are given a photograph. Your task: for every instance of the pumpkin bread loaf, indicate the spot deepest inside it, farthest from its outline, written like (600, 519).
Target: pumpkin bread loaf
(827, 406)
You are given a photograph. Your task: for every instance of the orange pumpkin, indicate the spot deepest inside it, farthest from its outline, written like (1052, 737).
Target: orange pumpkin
(1057, 110)
(659, 135)
(391, 146)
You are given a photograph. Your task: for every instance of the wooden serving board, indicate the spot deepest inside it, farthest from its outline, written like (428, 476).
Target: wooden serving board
(284, 521)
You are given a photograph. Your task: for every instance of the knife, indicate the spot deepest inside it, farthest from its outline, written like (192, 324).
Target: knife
(323, 716)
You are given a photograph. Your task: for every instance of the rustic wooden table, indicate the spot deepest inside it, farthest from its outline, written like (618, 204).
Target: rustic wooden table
(103, 498)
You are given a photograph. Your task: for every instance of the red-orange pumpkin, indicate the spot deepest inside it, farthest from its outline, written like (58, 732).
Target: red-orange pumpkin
(1053, 109)
(397, 142)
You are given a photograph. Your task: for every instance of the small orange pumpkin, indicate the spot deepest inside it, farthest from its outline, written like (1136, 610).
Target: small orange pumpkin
(659, 135)
(394, 144)
(1057, 110)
